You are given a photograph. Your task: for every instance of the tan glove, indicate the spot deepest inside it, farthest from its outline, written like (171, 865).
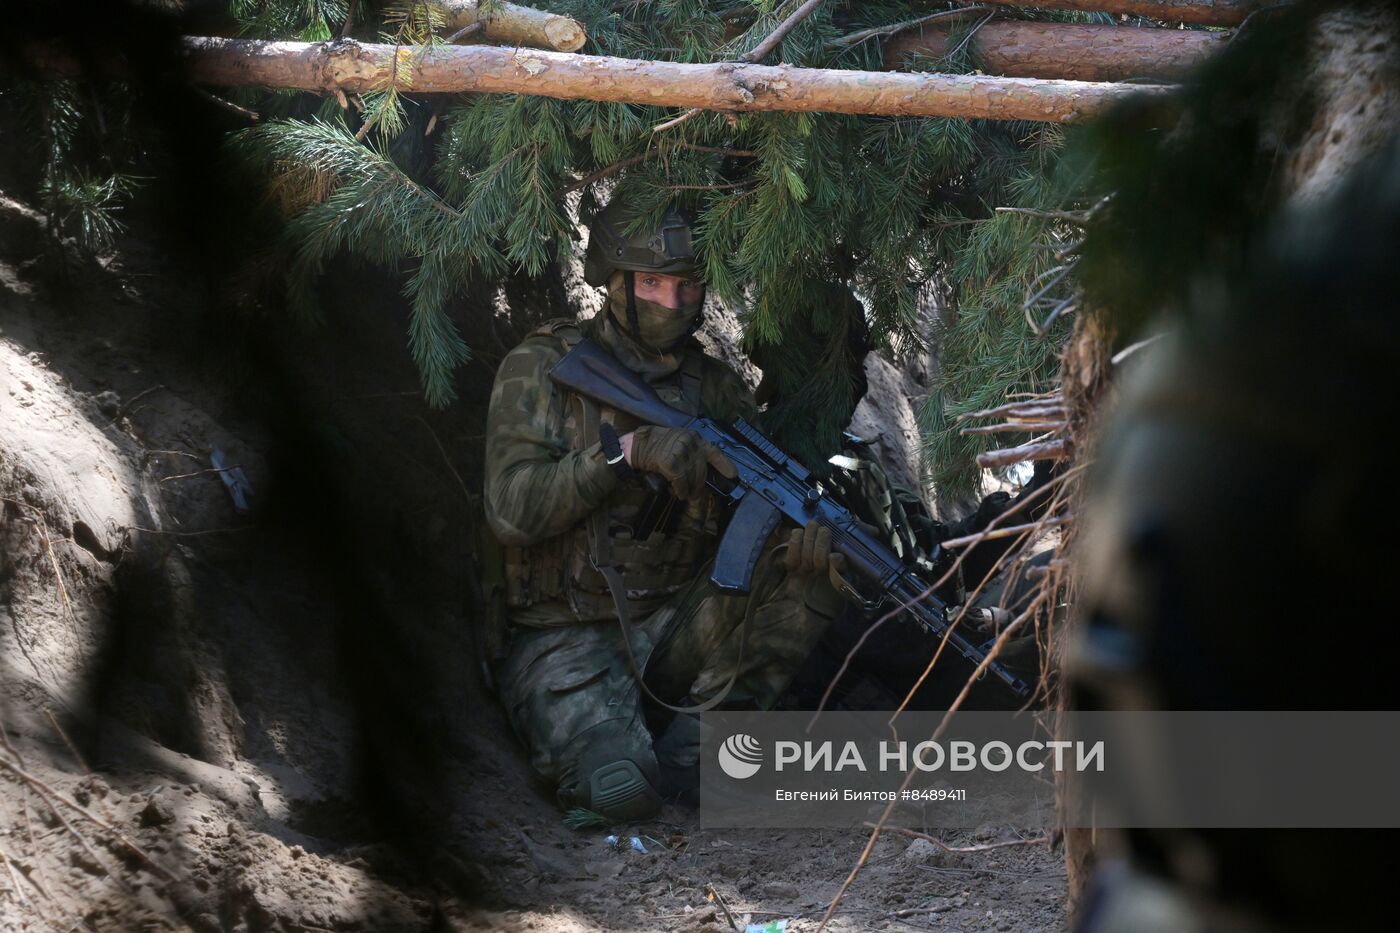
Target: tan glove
(679, 456)
(809, 553)
(814, 573)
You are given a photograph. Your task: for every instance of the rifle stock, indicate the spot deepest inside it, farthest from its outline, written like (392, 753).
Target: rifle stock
(591, 371)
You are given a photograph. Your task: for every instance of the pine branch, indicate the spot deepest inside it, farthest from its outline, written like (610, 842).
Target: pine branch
(621, 164)
(886, 205)
(760, 51)
(856, 38)
(371, 208)
(1198, 12)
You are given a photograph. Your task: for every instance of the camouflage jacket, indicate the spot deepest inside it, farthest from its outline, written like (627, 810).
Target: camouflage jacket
(545, 482)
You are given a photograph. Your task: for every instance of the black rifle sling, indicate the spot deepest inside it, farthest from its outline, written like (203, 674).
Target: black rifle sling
(601, 547)
(692, 364)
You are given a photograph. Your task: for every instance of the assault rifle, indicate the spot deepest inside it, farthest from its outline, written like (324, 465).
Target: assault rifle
(770, 487)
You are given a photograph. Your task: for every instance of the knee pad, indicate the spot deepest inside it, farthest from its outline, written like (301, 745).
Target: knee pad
(613, 783)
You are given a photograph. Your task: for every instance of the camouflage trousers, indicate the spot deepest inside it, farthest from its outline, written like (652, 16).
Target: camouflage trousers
(569, 689)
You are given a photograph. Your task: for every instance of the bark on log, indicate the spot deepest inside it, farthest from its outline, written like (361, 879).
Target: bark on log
(1075, 51)
(1197, 12)
(350, 66)
(511, 24)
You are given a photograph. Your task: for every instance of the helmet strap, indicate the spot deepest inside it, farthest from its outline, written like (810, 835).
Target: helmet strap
(629, 279)
(697, 323)
(634, 327)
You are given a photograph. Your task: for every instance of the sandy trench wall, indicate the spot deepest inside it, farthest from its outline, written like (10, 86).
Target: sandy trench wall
(71, 494)
(207, 663)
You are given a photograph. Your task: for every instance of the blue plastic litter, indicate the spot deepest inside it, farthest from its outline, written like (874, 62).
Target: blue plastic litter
(239, 489)
(635, 842)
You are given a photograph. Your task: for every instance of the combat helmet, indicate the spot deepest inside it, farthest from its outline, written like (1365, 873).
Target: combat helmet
(667, 249)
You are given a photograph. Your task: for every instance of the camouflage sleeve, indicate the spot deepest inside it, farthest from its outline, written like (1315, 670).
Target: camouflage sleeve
(724, 395)
(536, 487)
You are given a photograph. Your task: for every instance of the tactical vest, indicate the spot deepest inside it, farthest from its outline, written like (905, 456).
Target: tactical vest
(563, 568)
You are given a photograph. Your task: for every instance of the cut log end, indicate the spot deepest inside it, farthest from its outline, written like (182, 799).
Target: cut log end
(564, 34)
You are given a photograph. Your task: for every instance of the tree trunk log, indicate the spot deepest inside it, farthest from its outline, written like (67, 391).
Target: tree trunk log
(510, 24)
(351, 66)
(1074, 51)
(1198, 12)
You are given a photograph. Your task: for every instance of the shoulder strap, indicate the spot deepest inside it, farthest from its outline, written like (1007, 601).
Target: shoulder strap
(565, 328)
(624, 619)
(692, 367)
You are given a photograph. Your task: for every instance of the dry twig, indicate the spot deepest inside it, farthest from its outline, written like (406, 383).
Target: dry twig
(1056, 449)
(1047, 407)
(43, 528)
(189, 534)
(1026, 535)
(1055, 566)
(1132, 348)
(1016, 427)
(996, 648)
(470, 29)
(621, 164)
(712, 894)
(968, 38)
(14, 879)
(1079, 218)
(779, 34)
(990, 535)
(875, 31)
(166, 479)
(228, 105)
(49, 795)
(1040, 448)
(461, 484)
(72, 750)
(677, 121)
(987, 847)
(948, 575)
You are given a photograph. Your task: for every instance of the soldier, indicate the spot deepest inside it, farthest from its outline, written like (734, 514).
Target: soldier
(1230, 497)
(893, 658)
(563, 487)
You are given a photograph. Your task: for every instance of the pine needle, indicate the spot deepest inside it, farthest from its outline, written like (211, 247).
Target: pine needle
(583, 818)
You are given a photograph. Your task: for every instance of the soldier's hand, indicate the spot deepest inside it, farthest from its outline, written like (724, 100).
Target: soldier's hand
(809, 552)
(679, 456)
